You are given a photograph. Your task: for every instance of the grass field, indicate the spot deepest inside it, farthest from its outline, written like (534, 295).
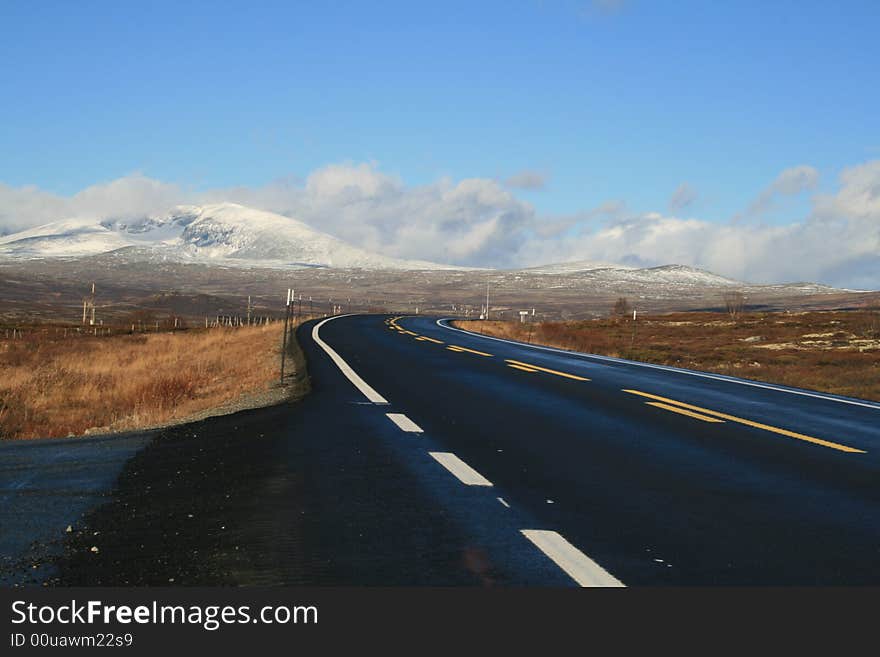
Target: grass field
(52, 385)
(836, 352)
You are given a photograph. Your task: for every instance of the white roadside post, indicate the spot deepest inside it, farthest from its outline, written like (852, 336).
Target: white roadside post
(632, 342)
(284, 338)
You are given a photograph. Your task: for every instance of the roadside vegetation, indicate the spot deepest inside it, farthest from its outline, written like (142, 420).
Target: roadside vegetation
(55, 382)
(835, 352)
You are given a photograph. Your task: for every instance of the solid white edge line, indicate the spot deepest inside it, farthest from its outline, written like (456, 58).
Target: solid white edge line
(404, 423)
(575, 563)
(344, 367)
(665, 368)
(465, 473)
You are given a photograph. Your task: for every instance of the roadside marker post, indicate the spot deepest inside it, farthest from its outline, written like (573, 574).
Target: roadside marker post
(284, 339)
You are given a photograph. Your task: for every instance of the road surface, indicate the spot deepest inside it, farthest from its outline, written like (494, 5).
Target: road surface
(425, 455)
(619, 472)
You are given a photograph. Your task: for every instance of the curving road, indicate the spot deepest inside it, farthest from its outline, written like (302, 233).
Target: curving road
(567, 468)
(425, 455)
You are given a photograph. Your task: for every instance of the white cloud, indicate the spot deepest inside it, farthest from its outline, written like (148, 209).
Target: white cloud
(479, 222)
(858, 197)
(527, 180)
(352, 182)
(837, 243)
(469, 222)
(790, 182)
(25, 207)
(130, 196)
(682, 198)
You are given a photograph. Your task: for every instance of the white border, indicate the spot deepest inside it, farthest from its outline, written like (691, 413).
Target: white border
(368, 391)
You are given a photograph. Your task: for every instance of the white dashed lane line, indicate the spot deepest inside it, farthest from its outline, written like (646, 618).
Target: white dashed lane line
(404, 423)
(572, 561)
(575, 563)
(465, 473)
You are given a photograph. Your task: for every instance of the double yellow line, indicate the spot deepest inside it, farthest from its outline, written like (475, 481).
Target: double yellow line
(663, 403)
(528, 367)
(458, 349)
(708, 415)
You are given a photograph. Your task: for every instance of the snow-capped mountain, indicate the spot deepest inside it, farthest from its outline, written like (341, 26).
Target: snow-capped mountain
(673, 275)
(224, 233)
(576, 267)
(233, 235)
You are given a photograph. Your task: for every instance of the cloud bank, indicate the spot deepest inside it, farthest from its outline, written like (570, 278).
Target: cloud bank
(480, 222)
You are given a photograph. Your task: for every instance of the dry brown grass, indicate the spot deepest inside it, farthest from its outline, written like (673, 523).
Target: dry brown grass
(51, 386)
(836, 352)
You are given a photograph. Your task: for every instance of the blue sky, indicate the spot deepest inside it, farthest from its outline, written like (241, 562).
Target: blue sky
(604, 101)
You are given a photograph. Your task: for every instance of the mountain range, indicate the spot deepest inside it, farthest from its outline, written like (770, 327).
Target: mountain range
(234, 235)
(223, 233)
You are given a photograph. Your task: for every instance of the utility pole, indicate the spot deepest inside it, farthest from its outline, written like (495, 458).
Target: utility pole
(487, 300)
(249, 310)
(89, 307)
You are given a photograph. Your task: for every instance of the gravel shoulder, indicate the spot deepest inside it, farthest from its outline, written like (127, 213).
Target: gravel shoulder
(48, 487)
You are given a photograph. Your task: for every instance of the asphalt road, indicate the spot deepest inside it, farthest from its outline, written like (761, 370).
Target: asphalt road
(47, 485)
(620, 472)
(430, 456)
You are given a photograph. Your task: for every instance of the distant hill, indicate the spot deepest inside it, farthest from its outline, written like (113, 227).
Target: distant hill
(224, 233)
(668, 274)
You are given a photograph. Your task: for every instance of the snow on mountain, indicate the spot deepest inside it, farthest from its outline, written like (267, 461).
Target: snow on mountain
(562, 268)
(677, 275)
(233, 235)
(224, 232)
(71, 237)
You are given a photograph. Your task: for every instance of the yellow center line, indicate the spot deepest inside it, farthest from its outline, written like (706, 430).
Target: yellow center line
(470, 351)
(410, 333)
(425, 337)
(520, 367)
(704, 418)
(750, 423)
(548, 371)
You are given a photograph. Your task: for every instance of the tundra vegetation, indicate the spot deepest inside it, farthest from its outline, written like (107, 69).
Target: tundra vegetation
(835, 352)
(57, 381)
